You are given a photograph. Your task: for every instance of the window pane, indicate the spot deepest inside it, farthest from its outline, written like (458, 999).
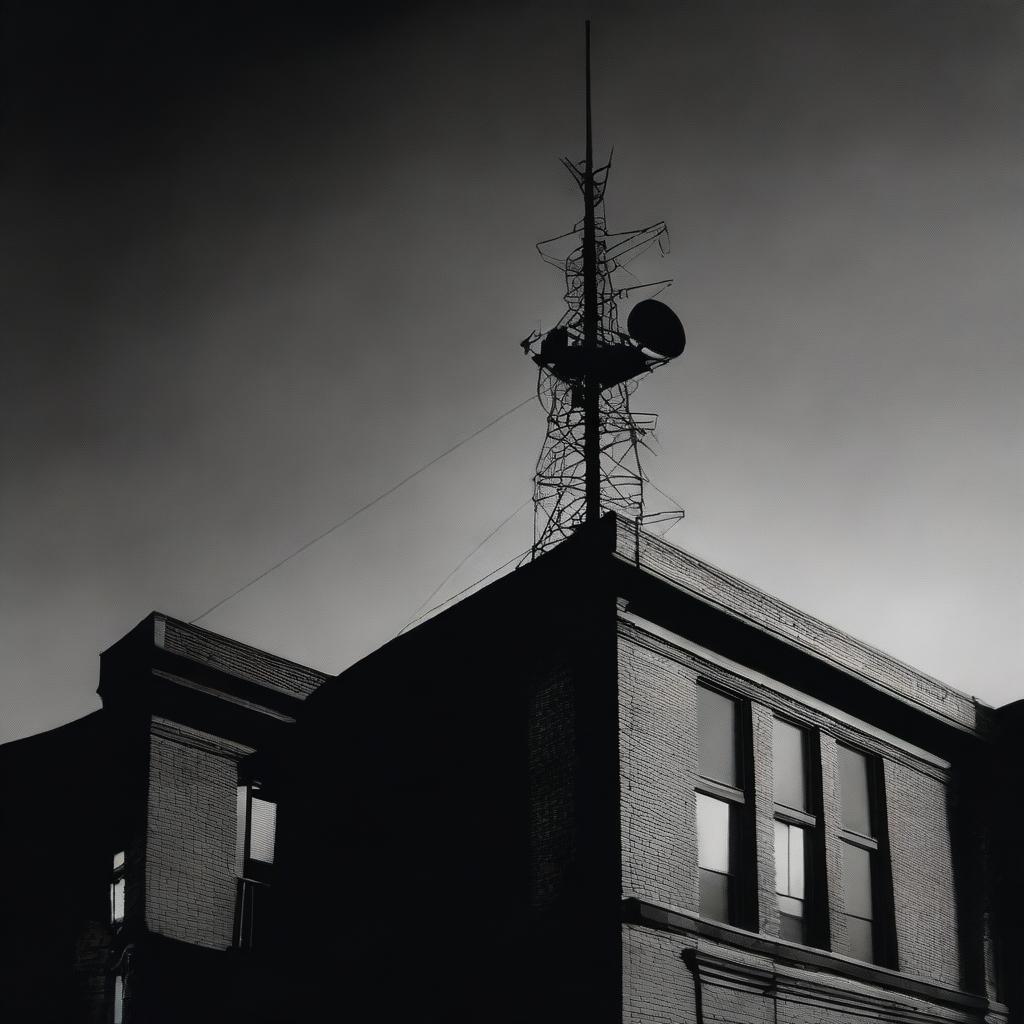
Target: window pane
(855, 791)
(857, 880)
(714, 895)
(712, 834)
(861, 937)
(716, 743)
(790, 747)
(789, 860)
(118, 999)
(791, 926)
(262, 828)
(117, 901)
(790, 906)
(119, 860)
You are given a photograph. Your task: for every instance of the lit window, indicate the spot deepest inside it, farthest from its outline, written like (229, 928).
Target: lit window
(117, 890)
(714, 856)
(256, 833)
(796, 832)
(720, 802)
(858, 817)
(790, 871)
(255, 839)
(118, 999)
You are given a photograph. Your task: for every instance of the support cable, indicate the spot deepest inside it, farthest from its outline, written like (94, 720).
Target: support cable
(430, 597)
(364, 508)
(476, 583)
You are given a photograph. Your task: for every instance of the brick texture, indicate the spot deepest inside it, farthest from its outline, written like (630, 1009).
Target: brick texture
(236, 658)
(658, 767)
(922, 872)
(190, 850)
(764, 820)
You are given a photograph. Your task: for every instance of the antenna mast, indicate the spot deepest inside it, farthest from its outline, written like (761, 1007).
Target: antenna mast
(590, 458)
(591, 390)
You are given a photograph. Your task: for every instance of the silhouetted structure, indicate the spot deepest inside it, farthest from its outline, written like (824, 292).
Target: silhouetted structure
(616, 785)
(590, 459)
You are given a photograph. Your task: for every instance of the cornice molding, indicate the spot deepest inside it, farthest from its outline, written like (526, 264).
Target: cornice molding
(757, 963)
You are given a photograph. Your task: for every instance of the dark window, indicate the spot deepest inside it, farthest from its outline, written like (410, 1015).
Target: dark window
(797, 837)
(721, 807)
(859, 819)
(854, 781)
(717, 749)
(790, 746)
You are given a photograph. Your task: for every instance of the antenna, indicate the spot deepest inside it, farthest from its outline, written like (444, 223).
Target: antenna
(588, 367)
(591, 392)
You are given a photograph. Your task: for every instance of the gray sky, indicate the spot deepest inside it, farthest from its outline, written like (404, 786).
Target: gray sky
(257, 270)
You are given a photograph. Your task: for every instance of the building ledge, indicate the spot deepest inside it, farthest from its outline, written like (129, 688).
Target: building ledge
(747, 604)
(803, 958)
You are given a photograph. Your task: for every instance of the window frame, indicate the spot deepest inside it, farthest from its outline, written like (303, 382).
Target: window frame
(742, 899)
(254, 876)
(118, 878)
(876, 845)
(811, 820)
(248, 867)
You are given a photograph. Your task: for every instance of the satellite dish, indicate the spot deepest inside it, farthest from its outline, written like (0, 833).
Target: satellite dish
(657, 328)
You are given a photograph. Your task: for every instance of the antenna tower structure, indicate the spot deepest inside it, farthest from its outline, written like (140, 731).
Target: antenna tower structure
(588, 367)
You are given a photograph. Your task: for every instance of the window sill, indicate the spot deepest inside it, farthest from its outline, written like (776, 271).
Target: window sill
(664, 918)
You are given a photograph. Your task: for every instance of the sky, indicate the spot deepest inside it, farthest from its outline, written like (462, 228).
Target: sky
(260, 264)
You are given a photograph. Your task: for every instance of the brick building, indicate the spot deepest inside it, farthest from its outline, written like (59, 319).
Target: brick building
(617, 784)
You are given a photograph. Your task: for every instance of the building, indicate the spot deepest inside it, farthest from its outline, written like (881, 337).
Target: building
(617, 784)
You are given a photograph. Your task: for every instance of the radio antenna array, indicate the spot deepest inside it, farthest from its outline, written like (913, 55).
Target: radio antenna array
(588, 367)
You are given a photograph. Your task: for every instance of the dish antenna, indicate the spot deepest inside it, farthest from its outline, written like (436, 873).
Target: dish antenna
(588, 367)
(656, 328)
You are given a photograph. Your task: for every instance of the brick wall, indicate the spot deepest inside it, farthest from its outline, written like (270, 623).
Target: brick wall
(658, 771)
(656, 985)
(658, 767)
(922, 873)
(190, 883)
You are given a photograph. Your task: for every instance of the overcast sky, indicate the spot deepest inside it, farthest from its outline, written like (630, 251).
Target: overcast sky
(258, 265)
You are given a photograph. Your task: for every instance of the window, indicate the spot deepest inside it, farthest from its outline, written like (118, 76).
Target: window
(256, 833)
(859, 816)
(255, 841)
(721, 799)
(796, 832)
(117, 890)
(118, 1014)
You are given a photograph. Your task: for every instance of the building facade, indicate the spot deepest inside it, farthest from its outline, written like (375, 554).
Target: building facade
(615, 785)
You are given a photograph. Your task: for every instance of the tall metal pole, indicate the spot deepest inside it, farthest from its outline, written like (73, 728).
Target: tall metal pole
(591, 386)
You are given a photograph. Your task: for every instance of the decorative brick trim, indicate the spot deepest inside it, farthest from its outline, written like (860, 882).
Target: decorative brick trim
(746, 603)
(195, 738)
(774, 964)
